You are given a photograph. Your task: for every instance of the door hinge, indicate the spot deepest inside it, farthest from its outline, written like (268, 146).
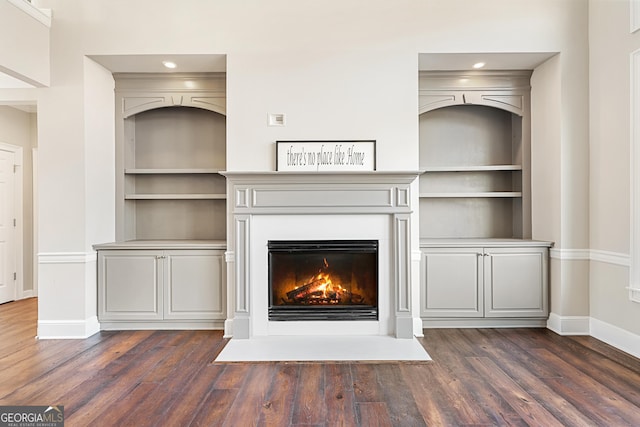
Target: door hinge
(15, 276)
(15, 168)
(14, 222)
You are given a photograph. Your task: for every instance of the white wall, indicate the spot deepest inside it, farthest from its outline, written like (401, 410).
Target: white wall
(24, 52)
(609, 68)
(338, 69)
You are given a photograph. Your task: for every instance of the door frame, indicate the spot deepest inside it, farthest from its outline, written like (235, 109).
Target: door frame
(19, 214)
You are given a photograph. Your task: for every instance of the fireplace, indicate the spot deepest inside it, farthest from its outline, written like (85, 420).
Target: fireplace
(323, 280)
(320, 207)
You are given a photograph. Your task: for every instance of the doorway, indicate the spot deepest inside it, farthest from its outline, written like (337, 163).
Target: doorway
(10, 221)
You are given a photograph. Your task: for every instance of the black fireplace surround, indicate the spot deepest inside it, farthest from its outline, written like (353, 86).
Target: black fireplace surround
(323, 280)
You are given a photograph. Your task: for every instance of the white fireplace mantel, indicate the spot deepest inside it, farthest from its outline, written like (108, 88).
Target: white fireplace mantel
(278, 197)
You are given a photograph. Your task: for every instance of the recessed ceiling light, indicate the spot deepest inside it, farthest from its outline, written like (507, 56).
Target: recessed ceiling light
(478, 65)
(169, 64)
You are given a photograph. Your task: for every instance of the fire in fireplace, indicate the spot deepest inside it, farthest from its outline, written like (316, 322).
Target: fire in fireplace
(323, 280)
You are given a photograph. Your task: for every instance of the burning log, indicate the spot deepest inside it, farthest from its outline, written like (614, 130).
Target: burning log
(304, 291)
(318, 292)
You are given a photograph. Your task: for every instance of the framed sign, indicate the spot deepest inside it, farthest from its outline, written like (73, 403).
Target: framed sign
(325, 156)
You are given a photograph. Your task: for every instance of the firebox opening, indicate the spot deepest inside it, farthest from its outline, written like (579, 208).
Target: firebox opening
(323, 280)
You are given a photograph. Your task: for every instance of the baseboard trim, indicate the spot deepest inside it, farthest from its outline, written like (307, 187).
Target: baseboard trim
(67, 329)
(615, 336)
(169, 325)
(228, 328)
(568, 325)
(489, 322)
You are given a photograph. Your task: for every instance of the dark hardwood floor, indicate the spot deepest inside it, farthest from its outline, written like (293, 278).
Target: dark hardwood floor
(478, 377)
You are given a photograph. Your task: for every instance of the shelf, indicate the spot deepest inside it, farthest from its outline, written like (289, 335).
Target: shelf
(497, 194)
(156, 171)
(164, 244)
(481, 242)
(175, 197)
(487, 168)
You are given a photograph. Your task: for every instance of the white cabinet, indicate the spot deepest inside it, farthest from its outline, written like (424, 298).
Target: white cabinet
(129, 285)
(515, 282)
(452, 281)
(507, 279)
(160, 288)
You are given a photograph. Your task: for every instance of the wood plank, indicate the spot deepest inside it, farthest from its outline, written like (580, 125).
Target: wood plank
(597, 401)
(233, 376)
(365, 383)
(88, 386)
(309, 406)
(527, 407)
(401, 405)
(439, 399)
(279, 400)
(247, 406)
(212, 412)
(374, 414)
(451, 349)
(526, 370)
(339, 396)
(598, 348)
(198, 403)
(185, 368)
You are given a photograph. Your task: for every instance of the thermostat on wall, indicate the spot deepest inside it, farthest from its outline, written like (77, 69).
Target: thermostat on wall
(277, 119)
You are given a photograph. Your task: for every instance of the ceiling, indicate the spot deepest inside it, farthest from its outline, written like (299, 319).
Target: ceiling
(493, 61)
(153, 63)
(201, 63)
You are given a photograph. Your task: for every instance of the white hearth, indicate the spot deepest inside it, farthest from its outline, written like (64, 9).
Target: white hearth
(318, 206)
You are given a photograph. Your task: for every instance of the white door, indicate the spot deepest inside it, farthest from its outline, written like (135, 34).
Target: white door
(7, 227)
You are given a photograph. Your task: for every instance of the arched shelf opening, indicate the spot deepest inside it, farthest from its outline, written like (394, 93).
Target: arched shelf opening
(474, 157)
(171, 148)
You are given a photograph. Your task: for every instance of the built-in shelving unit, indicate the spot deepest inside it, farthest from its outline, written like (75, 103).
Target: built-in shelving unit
(167, 269)
(479, 265)
(173, 146)
(473, 164)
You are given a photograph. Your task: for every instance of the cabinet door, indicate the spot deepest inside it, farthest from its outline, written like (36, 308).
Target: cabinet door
(516, 282)
(128, 285)
(452, 282)
(194, 285)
